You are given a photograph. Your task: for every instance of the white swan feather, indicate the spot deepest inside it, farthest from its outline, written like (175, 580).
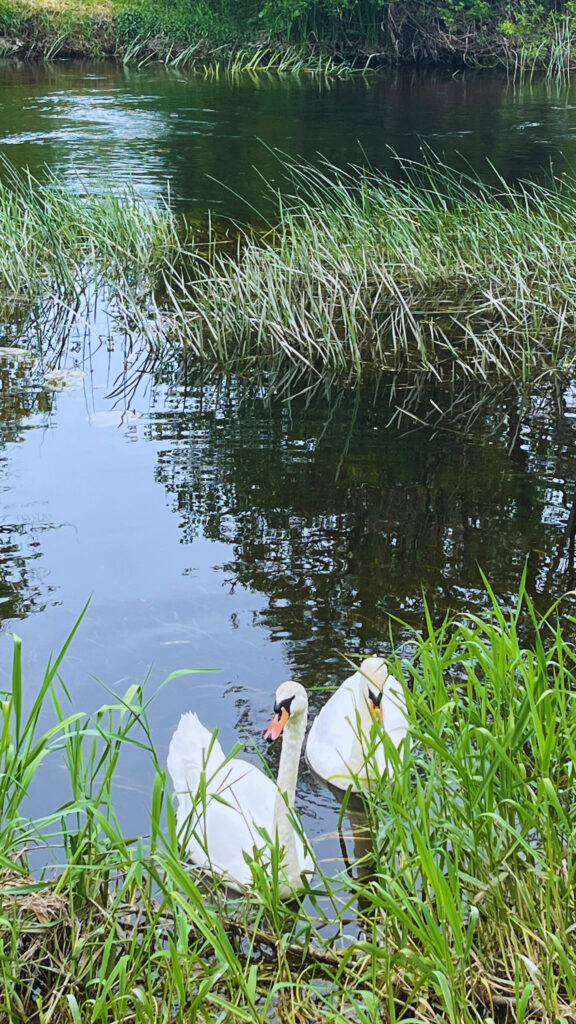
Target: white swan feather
(343, 730)
(225, 804)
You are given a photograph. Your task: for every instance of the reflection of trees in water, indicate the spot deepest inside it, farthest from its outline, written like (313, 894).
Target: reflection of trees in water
(50, 334)
(341, 520)
(21, 586)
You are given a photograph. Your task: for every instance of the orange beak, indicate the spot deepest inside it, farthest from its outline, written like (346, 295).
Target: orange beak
(375, 711)
(277, 725)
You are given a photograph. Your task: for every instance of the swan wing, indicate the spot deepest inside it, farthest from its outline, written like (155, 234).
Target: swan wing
(224, 803)
(193, 749)
(334, 750)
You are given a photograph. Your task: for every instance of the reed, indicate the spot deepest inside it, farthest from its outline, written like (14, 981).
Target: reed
(293, 60)
(463, 898)
(430, 271)
(55, 240)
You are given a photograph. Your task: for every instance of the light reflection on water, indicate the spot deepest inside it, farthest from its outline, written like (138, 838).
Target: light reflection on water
(210, 142)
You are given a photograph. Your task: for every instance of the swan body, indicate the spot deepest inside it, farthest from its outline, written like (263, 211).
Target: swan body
(342, 731)
(226, 803)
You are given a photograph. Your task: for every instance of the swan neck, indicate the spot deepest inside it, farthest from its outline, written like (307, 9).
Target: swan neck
(290, 756)
(361, 723)
(292, 741)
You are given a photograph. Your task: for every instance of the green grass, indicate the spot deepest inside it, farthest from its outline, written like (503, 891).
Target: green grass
(436, 272)
(231, 61)
(55, 241)
(464, 899)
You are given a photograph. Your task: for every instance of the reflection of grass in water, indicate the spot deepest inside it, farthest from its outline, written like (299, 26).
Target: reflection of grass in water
(470, 901)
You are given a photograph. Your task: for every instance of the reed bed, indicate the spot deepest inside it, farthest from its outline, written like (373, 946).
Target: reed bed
(431, 271)
(228, 61)
(292, 60)
(55, 241)
(462, 906)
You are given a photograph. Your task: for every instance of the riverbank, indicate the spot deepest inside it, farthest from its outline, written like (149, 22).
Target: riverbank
(461, 904)
(299, 36)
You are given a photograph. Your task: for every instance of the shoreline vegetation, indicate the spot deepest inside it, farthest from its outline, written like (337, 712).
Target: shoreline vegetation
(461, 906)
(328, 37)
(433, 275)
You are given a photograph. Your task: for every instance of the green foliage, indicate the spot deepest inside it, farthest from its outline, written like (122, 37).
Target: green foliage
(217, 20)
(435, 273)
(322, 20)
(524, 22)
(476, 9)
(463, 896)
(178, 21)
(10, 19)
(521, 34)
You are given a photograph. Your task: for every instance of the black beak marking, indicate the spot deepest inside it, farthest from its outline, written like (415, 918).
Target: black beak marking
(284, 705)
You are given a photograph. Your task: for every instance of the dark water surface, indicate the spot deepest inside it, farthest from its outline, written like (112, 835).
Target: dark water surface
(210, 141)
(210, 528)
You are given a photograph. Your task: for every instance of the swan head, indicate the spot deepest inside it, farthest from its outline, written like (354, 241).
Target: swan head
(291, 702)
(373, 674)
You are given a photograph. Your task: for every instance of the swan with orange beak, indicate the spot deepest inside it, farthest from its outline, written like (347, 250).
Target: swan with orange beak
(342, 747)
(226, 805)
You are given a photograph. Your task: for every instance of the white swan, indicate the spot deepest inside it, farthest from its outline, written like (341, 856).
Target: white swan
(342, 732)
(224, 804)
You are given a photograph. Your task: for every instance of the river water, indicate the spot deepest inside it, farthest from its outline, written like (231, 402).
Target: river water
(210, 527)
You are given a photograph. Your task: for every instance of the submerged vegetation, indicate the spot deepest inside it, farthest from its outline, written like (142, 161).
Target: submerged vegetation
(461, 904)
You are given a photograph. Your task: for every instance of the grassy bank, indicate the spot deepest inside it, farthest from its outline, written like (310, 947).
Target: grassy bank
(463, 901)
(294, 35)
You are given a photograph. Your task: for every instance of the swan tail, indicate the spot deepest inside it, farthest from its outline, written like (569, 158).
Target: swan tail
(193, 749)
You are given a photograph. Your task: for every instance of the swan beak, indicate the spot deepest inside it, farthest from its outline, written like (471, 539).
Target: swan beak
(277, 724)
(375, 710)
